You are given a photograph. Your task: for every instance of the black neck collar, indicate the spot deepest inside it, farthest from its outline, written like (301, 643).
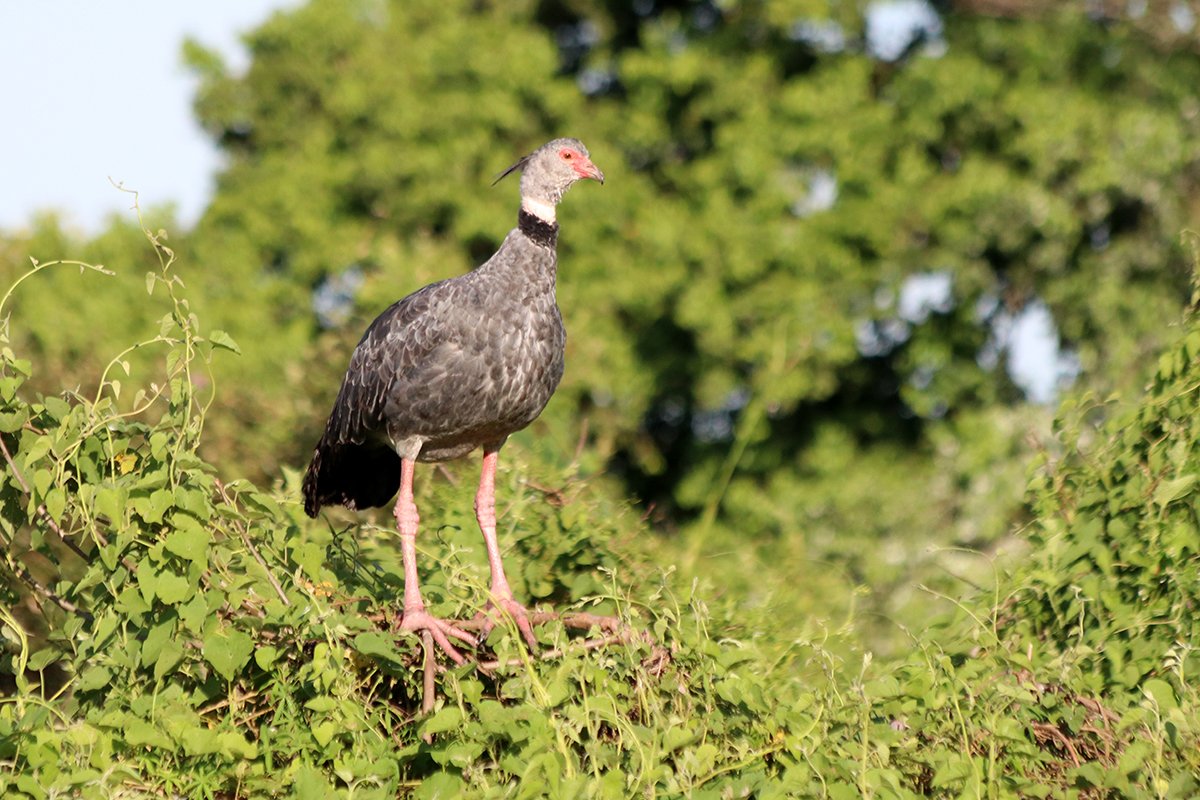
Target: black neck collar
(537, 229)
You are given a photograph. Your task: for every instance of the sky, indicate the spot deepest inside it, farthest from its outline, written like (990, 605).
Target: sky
(93, 91)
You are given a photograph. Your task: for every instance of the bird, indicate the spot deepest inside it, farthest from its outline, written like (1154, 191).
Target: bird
(456, 366)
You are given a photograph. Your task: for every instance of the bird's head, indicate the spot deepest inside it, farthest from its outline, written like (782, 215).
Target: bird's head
(549, 171)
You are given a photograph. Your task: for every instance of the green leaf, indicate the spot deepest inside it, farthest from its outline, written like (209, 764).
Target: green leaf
(322, 705)
(1169, 491)
(323, 732)
(265, 656)
(41, 481)
(440, 786)
(43, 658)
(376, 644)
(311, 784)
(1161, 693)
(11, 421)
(194, 612)
(227, 650)
(170, 655)
(56, 503)
(172, 588)
(223, 340)
(152, 507)
(676, 737)
(8, 388)
(110, 502)
(158, 444)
(92, 678)
(147, 582)
(233, 745)
(189, 542)
(152, 645)
(200, 741)
(140, 733)
(447, 719)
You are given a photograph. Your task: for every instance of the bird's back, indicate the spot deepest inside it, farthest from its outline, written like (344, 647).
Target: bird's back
(462, 363)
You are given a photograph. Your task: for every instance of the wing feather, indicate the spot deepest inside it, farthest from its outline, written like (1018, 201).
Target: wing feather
(354, 463)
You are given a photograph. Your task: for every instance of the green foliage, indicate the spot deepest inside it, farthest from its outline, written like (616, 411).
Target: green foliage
(740, 357)
(1114, 584)
(822, 463)
(171, 633)
(730, 335)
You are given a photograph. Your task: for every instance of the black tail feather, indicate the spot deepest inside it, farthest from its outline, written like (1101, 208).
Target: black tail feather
(352, 475)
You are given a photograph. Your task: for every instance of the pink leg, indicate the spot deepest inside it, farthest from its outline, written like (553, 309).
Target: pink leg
(415, 618)
(485, 512)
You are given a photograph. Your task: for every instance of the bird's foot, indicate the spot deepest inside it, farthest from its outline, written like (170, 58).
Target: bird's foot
(418, 620)
(500, 607)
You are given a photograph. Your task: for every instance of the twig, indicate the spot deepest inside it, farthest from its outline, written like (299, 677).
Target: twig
(618, 632)
(345, 601)
(555, 497)
(241, 529)
(581, 442)
(448, 475)
(41, 509)
(576, 619)
(557, 652)
(218, 705)
(38, 588)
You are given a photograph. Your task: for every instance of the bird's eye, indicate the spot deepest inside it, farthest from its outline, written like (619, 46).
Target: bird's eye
(566, 154)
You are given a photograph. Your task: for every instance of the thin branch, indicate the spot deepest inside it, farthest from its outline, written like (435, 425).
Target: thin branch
(558, 652)
(41, 509)
(254, 551)
(582, 441)
(577, 619)
(27, 578)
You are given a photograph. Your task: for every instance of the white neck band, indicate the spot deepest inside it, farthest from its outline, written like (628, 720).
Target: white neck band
(542, 210)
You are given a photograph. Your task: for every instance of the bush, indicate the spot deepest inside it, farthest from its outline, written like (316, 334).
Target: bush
(173, 632)
(170, 632)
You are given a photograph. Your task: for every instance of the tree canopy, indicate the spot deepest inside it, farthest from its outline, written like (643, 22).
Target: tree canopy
(743, 340)
(791, 308)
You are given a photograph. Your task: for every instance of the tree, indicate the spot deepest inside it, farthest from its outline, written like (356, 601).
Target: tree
(741, 347)
(787, 308)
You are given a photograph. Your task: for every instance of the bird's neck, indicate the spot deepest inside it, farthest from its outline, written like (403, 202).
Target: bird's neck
(537, 228)
(539, 208)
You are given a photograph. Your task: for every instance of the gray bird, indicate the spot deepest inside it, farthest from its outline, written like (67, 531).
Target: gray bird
(458, 365)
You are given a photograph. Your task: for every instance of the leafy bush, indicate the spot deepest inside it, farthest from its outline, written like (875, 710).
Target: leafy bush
(172, 633)
(742, 355)
(1115, 580)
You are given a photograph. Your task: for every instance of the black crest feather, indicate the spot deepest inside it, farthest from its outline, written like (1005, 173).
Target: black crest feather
(519, 165)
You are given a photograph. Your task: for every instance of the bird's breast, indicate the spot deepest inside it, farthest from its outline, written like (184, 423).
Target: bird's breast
(489, 381)
(526, 363)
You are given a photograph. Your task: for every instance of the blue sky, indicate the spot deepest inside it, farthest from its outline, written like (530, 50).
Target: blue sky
(95, 90)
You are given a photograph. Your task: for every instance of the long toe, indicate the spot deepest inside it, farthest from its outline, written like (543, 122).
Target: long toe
(497, 610)
(416, 620)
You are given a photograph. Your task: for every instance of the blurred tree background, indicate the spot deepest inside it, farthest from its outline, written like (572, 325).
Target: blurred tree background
(791, 309)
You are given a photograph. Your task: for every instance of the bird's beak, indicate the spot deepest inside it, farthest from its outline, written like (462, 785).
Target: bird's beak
(587, 169)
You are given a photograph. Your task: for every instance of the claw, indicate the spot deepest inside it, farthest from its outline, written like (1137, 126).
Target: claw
(510, 608)
(418, 619)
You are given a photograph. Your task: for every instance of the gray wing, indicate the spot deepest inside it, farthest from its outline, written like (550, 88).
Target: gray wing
(354, 463)
(393, 347)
